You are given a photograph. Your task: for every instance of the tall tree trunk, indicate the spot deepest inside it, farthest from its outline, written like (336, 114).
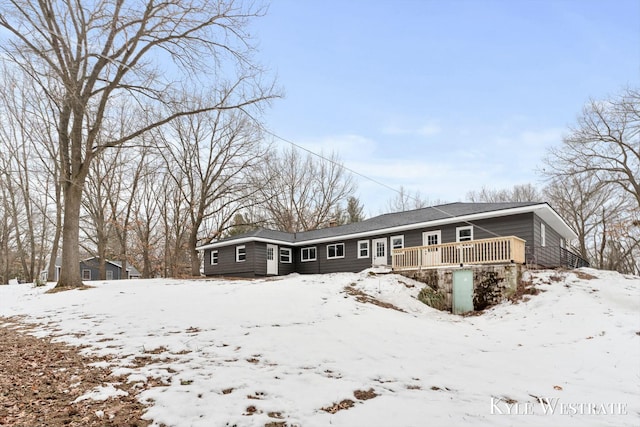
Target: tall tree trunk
(51, 272)
(70, 277)
(195, 259)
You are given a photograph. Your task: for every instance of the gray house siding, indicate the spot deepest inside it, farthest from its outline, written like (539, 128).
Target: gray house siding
(227, 264)
(307, 267)
(285, 268)
(254, 265)
(549, 254)
(94, 267)
(349, 263)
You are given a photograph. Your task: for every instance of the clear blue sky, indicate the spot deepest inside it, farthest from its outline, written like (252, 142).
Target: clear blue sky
(441, 96)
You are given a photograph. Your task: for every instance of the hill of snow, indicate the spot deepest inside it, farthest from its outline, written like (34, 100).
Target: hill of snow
(310, 350)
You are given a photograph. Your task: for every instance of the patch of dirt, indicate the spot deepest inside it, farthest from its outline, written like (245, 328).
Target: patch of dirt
(80, 288)
(584, 276)
(40, 379)
(524, 288)
(365, 298)
(364, 394)
(344, 404)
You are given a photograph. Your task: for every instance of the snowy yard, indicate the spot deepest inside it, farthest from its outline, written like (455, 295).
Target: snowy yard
(299, 350)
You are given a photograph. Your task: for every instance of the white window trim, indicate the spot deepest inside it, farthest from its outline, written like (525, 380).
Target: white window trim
(336, 250)
(302, 257)
(211, 258)
(543, 235)
(401, 237)
(459, 229)
(109, 273)
(360, 242)
(238, 253)
(86, 270)
(288, 250)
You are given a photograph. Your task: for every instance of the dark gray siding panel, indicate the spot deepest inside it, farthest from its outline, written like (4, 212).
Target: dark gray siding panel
(260, 258)
(285, 268)
(514, 225)
(94, 266)
(255, 265)
(227, 265)
(548, 255)
(350, 262)
(307, 267)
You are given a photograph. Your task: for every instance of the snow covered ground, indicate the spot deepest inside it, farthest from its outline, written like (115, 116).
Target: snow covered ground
(253, 352)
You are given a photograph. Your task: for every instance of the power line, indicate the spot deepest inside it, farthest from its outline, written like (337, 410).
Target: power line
(335, 163)
(442, 211)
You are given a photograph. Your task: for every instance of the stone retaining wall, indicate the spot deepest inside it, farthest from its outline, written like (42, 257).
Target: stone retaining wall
(492, 284)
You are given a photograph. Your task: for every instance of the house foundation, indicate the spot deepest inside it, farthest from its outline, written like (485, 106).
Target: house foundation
(492, 284)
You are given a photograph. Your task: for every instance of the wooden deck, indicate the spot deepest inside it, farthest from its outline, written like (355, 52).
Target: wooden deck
(484, 251)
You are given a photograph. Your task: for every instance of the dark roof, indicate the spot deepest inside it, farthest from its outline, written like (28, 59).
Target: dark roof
(380, 222)
(396, 219)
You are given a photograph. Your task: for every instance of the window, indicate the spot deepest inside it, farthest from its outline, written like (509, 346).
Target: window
(464, 234)
(335, 251)
(308, 254)
(363, 249)
(86, 274)
(397, 242)
(214, 257)
(543, 235)
(430, 238)
(241, 253)
(285, 255)
(109, 275)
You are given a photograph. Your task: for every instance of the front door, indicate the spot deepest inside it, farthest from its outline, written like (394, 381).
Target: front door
(431, 256)
(272, 260)
(379, 252)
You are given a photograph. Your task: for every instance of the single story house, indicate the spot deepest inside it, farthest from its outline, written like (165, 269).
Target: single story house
(449, 234)
(90, 270)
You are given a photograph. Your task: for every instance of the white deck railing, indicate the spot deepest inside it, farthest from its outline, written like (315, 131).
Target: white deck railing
(484, 251)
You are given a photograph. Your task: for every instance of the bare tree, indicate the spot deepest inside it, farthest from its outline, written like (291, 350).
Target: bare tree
(87, 56)
(5, 236)
(175, 227)
(210, 157)
(302, 192)
(518, 193)
(405, 200)
(579, 201)
(25, 196)
(146, 221)
(101, 187)
(606, 142)
(594, 181)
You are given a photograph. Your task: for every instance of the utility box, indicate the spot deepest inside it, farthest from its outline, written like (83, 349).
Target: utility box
(462, 295)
